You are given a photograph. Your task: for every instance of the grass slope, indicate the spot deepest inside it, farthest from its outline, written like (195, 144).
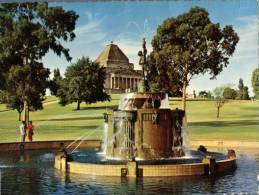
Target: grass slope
(239, 120)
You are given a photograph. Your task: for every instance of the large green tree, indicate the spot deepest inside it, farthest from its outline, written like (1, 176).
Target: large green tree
(83, 82)
(255, 83)
(188, 45)
(27, 32)
(26, 87)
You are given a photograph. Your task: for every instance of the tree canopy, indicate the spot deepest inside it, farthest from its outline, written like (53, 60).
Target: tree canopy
(27, 32)
(83, 82)
(27, 84)
(255, 82)
(188, 45)
(229, 93)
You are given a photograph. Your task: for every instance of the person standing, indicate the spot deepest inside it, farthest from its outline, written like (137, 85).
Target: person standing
(23, 131)
(30, 131)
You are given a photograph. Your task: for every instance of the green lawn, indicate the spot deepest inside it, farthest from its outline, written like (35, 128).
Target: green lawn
(239, 120)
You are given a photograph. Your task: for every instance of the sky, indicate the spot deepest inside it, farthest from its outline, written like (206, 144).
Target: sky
(127, 22)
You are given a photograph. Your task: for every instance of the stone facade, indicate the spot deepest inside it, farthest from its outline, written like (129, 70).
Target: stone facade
(120, 73)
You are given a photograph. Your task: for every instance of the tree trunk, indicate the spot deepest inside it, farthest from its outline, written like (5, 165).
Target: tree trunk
(78, 105)
(184, 95)
(26, 112)
(217, 112)
(19, 116)
(184, 103)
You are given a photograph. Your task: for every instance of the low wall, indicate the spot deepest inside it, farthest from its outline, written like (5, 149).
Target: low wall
(48, 145)
(172, 170)
(132, 169)
(225, 166)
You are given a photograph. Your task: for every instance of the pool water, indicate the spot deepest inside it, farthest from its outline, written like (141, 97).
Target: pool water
(32, 172)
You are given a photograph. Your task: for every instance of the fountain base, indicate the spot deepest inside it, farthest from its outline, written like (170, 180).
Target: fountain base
(210, 163)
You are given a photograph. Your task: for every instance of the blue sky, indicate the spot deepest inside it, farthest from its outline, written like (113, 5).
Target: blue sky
(127, 22)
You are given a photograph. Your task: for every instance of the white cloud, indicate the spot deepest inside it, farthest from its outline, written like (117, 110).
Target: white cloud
(248, 34)
(91, 31)
(88, 35)
(130, 41)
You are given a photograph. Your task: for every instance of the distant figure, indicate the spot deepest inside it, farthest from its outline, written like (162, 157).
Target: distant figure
(23, 131)
(30, 128)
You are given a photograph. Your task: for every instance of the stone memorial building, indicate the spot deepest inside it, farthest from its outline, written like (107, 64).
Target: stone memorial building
(120, 73)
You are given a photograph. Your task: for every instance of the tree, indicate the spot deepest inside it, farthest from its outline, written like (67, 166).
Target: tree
(27, 32)
(219, 98)
(188, 45)
(83, 82)
(255, 83)
(246, 93)
(240, 84)
(242, 93)
(229, 93)
(240, 89)
(55, 83)
(205, 94)
(27, 84)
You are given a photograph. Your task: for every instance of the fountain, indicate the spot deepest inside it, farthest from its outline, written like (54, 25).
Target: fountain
(144, 137)
(141, 128)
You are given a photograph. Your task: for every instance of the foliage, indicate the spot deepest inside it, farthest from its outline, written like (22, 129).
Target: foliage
(15, 102)
(27, 32)
(83, 82)
(55, 83)
(3, 97)
(188, 45)
(255, 82)
(229, 93)
(27, 83)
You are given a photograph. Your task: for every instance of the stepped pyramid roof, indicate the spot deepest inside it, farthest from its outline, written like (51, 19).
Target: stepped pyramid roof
(112, 54)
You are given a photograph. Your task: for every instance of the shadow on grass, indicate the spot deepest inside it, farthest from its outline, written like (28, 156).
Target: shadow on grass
(249, 115)
(6, 110)
(225, 123)
(98, 107)
(86, 127)
(73, 119)
(251, 109)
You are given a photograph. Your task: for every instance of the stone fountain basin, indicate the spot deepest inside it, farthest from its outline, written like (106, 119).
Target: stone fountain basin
(94, 163)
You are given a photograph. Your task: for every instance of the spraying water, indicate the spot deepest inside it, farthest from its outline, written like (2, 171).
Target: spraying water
(185, 136)
(105, 138)
(88, 134)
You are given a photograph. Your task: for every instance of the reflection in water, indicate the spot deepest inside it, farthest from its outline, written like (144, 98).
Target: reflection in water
(33, 173)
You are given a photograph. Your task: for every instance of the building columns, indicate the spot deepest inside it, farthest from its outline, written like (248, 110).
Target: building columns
(124, 82)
